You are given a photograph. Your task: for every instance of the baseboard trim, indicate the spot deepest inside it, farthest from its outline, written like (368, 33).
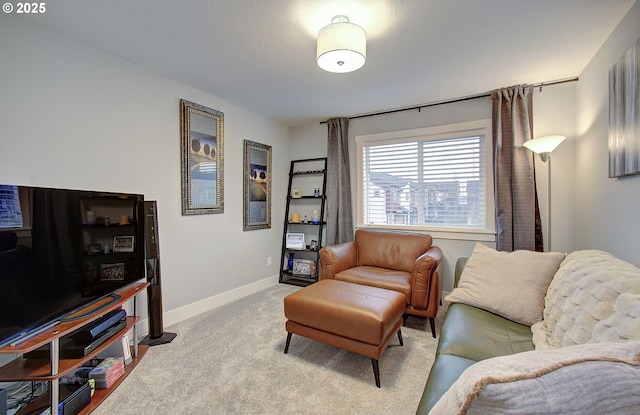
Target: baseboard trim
(190, 310)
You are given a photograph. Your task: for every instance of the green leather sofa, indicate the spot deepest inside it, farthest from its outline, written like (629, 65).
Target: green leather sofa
(469, 335)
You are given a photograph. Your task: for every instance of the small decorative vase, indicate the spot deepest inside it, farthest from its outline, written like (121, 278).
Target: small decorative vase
(290, 262)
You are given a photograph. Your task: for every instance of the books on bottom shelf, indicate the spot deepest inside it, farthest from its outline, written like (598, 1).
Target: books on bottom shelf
(107, 372)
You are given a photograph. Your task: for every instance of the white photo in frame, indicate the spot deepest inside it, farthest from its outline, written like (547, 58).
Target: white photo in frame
(302, 267)
(123, 244)
(295, 240)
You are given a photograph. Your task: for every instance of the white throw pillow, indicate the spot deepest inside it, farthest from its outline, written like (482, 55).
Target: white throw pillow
(594, 298)
(586, 379)
(510, 284)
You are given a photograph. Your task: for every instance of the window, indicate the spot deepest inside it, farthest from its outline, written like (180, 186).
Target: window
(437, 177)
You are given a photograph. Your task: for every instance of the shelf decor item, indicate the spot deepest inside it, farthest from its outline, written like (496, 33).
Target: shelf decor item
(202, 159)
(112, 272)
(123, 244)
(295, 241)
(302, 267)
(94, 248)
(290, 261)
(257, 186)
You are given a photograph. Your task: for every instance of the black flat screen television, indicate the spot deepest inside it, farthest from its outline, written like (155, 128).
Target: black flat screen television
(61, 250)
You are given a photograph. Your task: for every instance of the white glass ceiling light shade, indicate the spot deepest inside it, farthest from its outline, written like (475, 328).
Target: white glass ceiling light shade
(543, 146)
(342, 46)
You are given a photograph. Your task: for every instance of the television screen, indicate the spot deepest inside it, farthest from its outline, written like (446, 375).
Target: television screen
(61, 250)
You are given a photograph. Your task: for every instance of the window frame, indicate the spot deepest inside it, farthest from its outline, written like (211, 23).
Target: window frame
(438, 132)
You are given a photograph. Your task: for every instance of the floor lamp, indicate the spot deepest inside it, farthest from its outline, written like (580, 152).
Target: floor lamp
(543, 146)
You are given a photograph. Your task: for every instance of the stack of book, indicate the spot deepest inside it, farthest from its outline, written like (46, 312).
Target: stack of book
(107, 372)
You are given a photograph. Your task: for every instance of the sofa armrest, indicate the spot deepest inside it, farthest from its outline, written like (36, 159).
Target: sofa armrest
(460, 264)
(336, 258)
(425, 279)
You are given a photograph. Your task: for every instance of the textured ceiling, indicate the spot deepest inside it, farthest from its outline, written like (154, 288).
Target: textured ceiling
(260, 54)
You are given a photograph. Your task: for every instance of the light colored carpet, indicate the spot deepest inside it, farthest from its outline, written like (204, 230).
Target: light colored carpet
(230, 361)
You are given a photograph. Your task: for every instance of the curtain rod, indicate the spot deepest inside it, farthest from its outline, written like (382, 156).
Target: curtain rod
(453, 100)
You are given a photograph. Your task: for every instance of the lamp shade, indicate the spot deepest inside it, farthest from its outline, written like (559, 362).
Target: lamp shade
(342, 46)
(542, 145)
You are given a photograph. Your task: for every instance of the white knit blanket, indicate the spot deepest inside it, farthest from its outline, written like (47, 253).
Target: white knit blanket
(594, 297)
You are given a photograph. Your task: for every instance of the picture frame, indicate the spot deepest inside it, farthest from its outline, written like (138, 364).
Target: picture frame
(302, 267)
(123, 243)
(313, 245)
(94, 249)
(112, 272)
(295, 240)
(256, 186)
(624, 114)
(202, 161)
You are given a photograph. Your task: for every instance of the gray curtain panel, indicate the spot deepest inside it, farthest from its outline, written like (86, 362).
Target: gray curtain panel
(517, 215)
(339, 214)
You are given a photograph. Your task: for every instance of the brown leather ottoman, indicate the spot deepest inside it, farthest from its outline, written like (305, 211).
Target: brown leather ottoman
(354, 317)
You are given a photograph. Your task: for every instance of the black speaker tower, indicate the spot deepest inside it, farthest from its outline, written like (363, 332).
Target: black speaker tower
(154, 293)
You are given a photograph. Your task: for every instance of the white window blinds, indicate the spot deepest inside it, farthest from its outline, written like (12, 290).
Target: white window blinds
(430, 180)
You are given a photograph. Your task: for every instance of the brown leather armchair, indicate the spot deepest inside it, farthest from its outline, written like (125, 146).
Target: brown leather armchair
(406, 262)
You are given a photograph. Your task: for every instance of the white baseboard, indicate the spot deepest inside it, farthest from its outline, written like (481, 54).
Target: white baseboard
(182, 313)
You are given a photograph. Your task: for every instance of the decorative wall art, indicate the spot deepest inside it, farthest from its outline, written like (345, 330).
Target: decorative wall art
(257, 186)
(202, 159)
(624, 114)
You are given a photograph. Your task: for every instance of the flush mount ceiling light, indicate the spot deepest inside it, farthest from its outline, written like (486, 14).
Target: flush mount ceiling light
(342, 46)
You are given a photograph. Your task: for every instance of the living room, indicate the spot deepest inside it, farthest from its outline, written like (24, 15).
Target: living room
(74, 116)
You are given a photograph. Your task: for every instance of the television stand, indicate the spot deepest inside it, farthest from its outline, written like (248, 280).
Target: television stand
(53, 368)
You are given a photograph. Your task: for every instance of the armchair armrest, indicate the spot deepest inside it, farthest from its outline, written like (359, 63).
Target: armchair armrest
(336, 258)
(425, 279)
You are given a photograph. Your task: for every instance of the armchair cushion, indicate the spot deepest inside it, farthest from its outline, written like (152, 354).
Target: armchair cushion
(388, 279)
(510, 284)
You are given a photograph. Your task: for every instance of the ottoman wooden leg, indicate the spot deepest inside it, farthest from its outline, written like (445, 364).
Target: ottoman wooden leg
(286, 346)
(376, 371)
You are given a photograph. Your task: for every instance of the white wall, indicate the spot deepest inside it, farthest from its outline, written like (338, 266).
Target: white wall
(72, 116)
(607, 211)
(554, 113)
